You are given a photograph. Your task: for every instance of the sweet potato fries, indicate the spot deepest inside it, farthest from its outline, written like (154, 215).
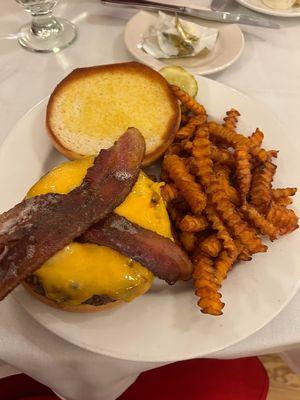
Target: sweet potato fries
(220, 197)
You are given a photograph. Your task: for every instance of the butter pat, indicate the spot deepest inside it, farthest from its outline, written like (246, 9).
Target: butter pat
(279, 4)
(172, 37)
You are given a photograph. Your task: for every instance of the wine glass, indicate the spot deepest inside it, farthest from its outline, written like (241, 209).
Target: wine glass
(45, 33)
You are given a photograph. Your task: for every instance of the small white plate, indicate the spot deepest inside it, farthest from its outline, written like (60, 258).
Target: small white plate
(228, 48)
(259, 6)
(165, 323)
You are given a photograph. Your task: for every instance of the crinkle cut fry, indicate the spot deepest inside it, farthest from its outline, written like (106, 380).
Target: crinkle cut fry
(219, 199)
(228, 135)
(283, 192)
(222, 232)
(208, 155)
(188, 130)
(222, 169)
(190, 103)
(233, 138)
(174, 148)
(231, 119)
(175, 214)
(230, 190)
(222, 156)
(223, 264)
(243, 169)
(204, 165)
(257, 137)
(185, 182)
(231, 217)
(202, 156)
(272, 154)
(284, 219)
(283, 201)
(214, 188)
(243, 252)
(260, 194)
(211, 246)
(169, 192)
(182, 205)
(186, 145)
(264, 226)
(191, 223)
(188, 240)
(206, 285)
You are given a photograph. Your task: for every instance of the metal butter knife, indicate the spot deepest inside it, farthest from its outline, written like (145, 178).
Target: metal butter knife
(210, 15)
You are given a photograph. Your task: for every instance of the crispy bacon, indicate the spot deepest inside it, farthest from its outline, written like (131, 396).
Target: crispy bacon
(36, 229)
(15, 222)
(159, 254)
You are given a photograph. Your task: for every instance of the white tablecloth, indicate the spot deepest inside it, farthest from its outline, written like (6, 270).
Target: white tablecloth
(269, 70)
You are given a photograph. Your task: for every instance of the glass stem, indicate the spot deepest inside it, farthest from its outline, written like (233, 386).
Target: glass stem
(44, 25)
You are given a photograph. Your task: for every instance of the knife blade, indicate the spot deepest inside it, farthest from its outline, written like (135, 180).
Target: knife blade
(210, 15)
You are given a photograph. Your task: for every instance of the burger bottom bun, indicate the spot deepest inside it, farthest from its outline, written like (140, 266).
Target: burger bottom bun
(81, 308)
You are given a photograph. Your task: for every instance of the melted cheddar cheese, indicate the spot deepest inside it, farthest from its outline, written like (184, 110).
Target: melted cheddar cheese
(79, 271)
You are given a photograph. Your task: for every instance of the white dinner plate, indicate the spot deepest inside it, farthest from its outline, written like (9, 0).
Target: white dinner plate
(228, 47)
(165, 324)
(259, 6)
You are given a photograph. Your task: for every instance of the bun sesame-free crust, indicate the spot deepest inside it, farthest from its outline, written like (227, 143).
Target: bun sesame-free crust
(93, 106)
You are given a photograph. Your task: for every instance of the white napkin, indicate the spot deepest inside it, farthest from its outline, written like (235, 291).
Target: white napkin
(163, 37)
(70, 371)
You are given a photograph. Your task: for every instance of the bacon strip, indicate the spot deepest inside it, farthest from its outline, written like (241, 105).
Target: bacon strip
(35, 230)
(159, 254)
(15, 222)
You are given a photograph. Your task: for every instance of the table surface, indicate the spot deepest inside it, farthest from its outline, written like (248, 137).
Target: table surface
(268, 70)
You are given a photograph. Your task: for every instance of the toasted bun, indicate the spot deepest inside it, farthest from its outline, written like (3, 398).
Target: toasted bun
(93, 106)
(82, 308)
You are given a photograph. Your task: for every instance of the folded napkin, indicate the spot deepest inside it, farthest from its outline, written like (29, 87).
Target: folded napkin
(172, 36)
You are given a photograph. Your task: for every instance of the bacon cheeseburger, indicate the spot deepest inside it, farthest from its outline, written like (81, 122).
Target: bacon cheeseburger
(91, 233)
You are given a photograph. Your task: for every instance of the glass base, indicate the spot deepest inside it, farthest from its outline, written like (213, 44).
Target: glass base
(53, 43)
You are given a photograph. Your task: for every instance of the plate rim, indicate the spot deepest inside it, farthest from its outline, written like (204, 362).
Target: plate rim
(274, 13)
(138, 358)
(202, 73)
